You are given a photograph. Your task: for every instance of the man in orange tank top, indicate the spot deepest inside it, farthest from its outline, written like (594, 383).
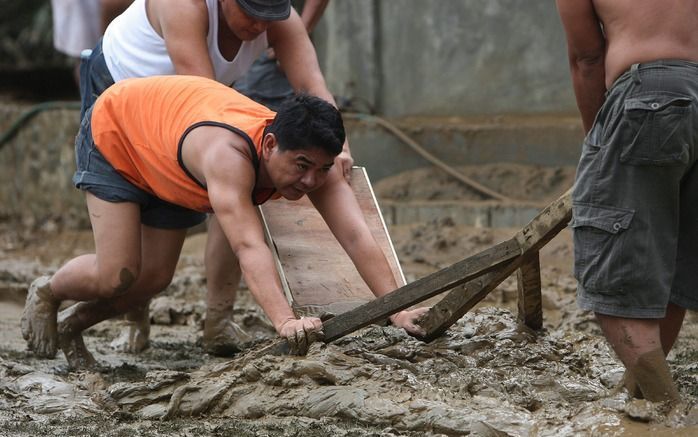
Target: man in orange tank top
(155, 154)
(634, 69)
(217, 39)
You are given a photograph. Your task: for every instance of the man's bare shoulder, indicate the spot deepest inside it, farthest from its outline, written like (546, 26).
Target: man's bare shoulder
(214, 151)
(175, 12)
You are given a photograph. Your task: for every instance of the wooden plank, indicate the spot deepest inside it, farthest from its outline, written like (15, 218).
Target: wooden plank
(530, 301)
(422, 289)
(316, 273)
(459, 301)
(539, 231)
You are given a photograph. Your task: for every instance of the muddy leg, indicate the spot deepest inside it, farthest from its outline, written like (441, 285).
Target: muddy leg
(630, 384)
(70, 337)
(222, 337)
(38, 322)
(135, 336)
(654, 377)
(638, 344)
(670, 326)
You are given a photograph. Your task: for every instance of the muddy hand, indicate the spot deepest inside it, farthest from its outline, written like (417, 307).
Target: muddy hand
(301, 333)
(408, 319)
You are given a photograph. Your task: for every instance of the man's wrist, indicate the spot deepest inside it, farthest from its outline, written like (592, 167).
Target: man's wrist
(280, 324)
(394, 317)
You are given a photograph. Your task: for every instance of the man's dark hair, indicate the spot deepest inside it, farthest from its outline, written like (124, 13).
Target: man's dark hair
(305, 122)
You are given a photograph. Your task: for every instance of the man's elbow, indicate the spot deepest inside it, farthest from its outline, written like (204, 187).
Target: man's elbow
(588, 64)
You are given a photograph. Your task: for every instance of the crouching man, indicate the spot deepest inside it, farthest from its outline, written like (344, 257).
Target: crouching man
(153, 156)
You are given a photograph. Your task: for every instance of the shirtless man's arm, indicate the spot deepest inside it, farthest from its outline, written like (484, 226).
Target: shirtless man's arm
(586, 46)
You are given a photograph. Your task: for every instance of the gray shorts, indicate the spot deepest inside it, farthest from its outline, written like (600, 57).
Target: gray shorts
(96, 175)
(635, 200)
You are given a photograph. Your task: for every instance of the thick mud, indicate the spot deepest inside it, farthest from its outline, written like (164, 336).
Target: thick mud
(486, 376)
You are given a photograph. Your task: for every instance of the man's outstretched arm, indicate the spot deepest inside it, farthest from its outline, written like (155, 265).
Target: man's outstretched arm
(338, 206)
(230, 194)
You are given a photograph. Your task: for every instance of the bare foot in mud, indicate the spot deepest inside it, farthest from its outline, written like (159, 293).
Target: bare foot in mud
(135, 336)
(224, 338)
(38, 322)
(132, 340)
(71, 343)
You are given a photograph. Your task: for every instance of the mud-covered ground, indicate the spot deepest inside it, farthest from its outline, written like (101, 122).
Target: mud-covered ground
(486, 376)
(517, 182)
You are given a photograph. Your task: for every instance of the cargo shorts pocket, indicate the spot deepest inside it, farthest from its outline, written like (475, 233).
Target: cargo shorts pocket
(656, 129)
(603, 259)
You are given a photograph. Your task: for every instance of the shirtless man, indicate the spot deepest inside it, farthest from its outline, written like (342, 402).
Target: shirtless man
(210, 149)
(217, 39)
(634, 67)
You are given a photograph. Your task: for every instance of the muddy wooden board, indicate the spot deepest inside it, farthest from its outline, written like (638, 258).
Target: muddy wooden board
(481, 273)
(317, 274)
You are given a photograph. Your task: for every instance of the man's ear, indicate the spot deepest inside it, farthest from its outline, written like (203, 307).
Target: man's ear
(268, 144)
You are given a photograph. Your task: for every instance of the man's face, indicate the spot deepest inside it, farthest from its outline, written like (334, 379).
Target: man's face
(295, 173)
(244, 27)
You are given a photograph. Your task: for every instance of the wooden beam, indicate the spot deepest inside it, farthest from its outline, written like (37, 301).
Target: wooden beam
(422, 289)
(529, 292)
(447, 312)
(536, 234)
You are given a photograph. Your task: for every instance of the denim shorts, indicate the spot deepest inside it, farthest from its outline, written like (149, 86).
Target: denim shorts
(97, 176)
(635, 200)
(95, 77)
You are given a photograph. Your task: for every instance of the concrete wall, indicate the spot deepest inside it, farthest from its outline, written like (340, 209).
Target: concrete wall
(446, 57)
(484, 81)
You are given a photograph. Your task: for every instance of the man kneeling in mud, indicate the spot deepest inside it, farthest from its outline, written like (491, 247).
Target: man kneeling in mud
(153, 156)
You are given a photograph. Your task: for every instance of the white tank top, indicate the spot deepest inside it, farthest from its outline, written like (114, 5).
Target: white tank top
(132, 48)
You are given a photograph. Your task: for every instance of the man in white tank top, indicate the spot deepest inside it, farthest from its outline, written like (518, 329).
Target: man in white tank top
(218, 39)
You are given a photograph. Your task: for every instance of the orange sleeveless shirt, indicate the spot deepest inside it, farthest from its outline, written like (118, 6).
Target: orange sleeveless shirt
(139, 125)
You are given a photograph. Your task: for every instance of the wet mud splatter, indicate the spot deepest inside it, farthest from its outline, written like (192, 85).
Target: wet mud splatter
(487, 376)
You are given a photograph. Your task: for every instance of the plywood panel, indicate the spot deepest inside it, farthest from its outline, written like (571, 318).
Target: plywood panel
(316, 272)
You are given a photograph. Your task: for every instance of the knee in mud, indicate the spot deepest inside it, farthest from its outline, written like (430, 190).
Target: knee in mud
(120, 285)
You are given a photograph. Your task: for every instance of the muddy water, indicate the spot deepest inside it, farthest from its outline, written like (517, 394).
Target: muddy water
(485, 377)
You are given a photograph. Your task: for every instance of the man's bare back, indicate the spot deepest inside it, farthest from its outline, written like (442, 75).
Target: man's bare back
(646, 30)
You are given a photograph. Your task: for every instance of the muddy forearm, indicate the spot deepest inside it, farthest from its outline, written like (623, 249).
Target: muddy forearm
(260, 275)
